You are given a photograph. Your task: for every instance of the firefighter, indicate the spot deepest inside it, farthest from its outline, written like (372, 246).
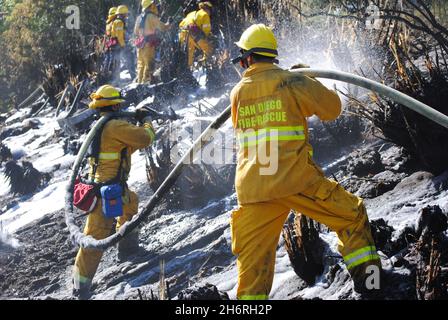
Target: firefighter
(195, 31)
(119, 140)
(110, 18)
(128, 53)
(118, 39)
(147, 38)
(276, 172)
(108, 39)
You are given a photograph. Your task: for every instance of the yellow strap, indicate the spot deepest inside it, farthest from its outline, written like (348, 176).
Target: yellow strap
(109, 156)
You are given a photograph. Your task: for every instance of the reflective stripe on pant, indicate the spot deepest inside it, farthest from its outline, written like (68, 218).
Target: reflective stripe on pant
(256, 230)
(99, 227)
(109, 156)
(145, 60)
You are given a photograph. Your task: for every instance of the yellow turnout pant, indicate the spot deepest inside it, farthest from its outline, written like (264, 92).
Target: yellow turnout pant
(99, 227)
(192, 46)
(145, 59)
(256, 229)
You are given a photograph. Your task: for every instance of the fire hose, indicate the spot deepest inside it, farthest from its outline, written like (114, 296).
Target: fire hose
(89, 242)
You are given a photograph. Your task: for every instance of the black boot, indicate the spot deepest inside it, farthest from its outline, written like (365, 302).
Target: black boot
(81, 294)
(128, 246)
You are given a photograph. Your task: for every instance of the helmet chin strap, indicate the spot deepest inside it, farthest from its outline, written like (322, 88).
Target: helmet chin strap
(244, 63)
(243, 58)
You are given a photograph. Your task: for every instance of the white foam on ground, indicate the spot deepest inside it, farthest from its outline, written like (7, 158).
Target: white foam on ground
(4, 185)
(45, 202)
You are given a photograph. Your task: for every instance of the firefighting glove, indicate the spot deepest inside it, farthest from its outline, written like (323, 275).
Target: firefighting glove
(299, 66)
(143, 115)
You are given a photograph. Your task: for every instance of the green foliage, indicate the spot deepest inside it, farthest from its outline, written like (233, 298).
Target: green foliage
(5, 9)
(34, 37)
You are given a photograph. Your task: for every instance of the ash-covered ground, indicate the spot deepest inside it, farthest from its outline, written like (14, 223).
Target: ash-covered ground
(36, 255)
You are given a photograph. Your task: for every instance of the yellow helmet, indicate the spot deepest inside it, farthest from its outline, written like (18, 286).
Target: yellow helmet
(259, 39)
(204, 4)
(112, 11)
(105, 96)
(147, 3)
(122, 9)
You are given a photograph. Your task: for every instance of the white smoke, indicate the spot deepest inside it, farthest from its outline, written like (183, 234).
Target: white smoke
(6, 240)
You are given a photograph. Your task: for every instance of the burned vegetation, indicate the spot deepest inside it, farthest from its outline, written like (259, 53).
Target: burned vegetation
(407, 51)
(23, 178)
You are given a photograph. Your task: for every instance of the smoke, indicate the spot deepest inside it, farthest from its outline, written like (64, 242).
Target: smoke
(336, 45)
(6, 240)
